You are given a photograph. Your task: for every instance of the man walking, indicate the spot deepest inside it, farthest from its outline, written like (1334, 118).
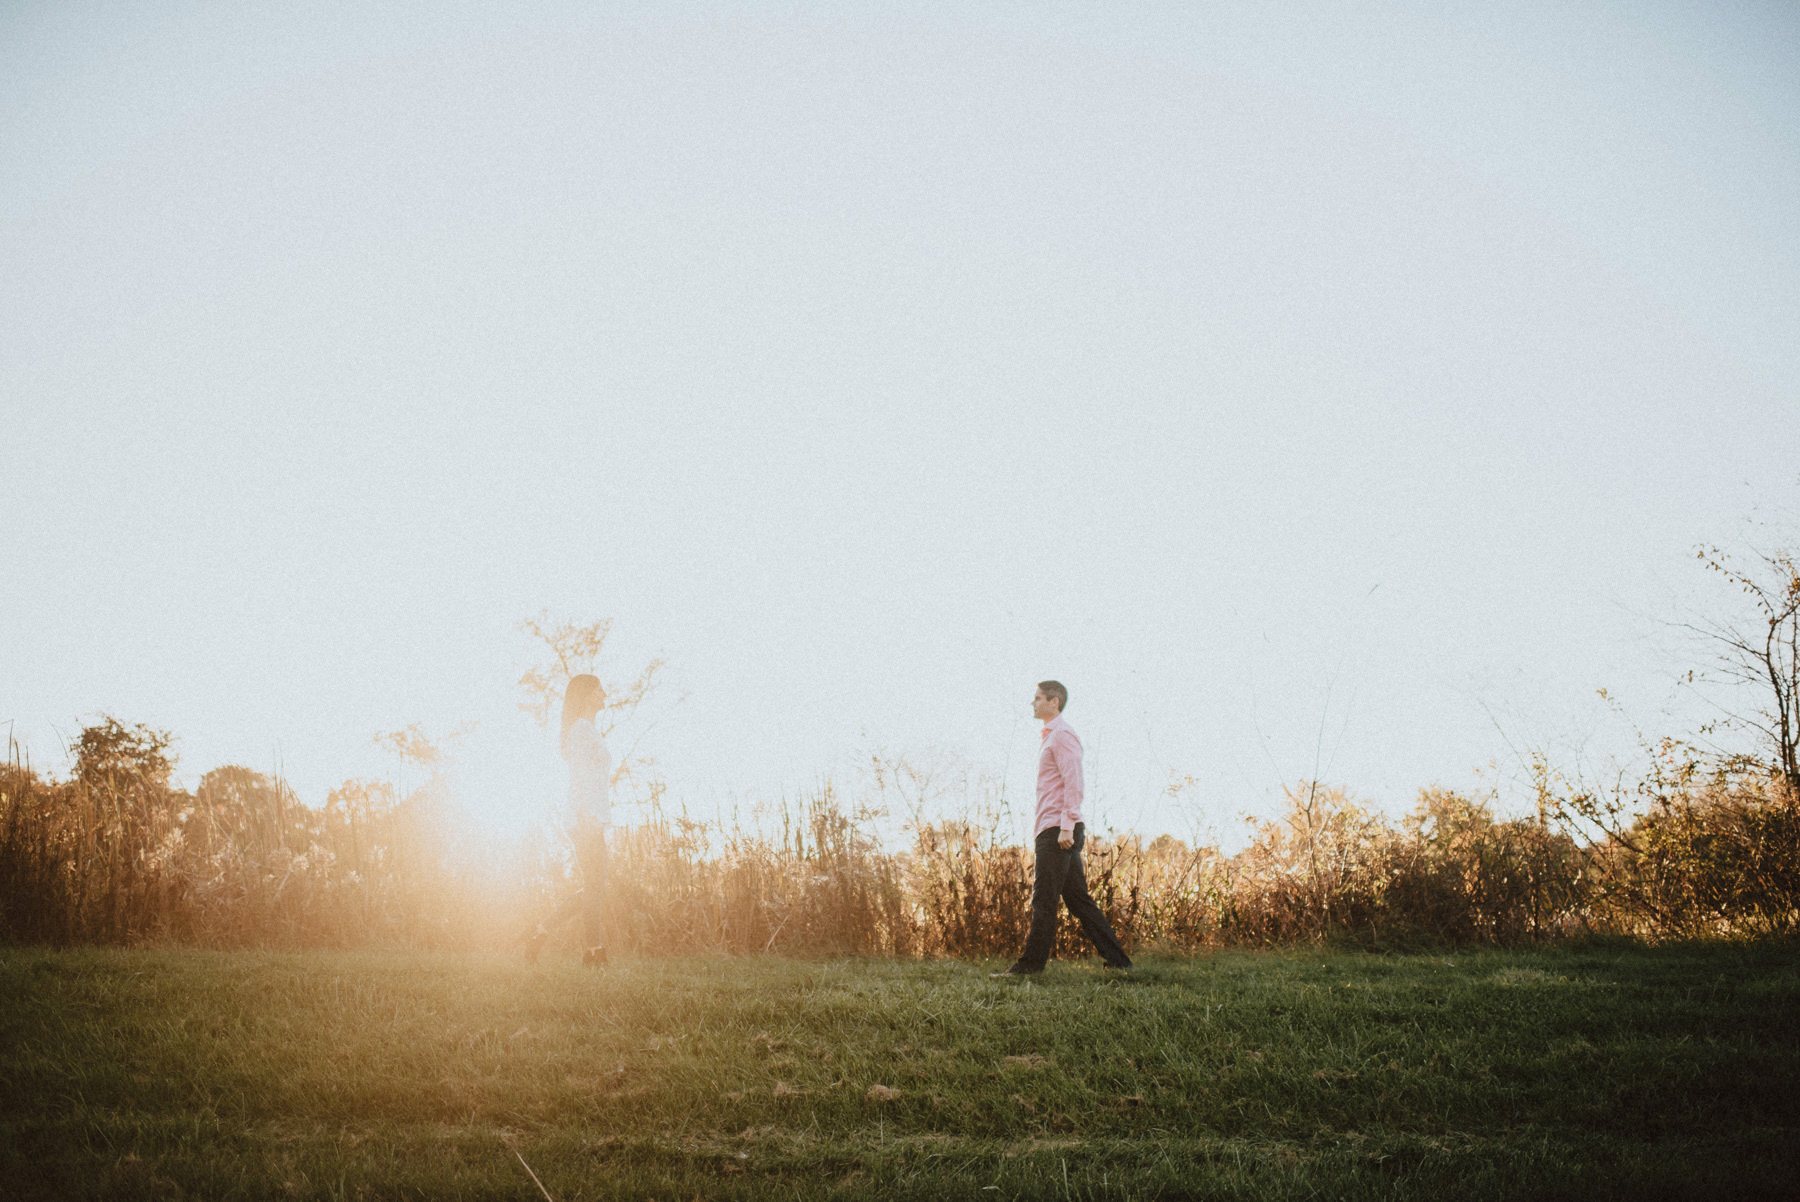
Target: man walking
(1057, 845)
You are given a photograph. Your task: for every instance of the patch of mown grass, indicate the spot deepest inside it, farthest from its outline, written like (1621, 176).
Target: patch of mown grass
(1610, 1071)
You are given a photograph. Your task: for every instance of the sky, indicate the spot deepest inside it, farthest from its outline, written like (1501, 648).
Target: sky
(1316, 390)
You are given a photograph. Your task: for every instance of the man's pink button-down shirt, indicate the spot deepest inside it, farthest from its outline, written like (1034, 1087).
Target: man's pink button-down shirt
(1059, 779)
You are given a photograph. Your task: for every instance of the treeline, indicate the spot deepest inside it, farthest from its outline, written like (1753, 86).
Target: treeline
(116, 853)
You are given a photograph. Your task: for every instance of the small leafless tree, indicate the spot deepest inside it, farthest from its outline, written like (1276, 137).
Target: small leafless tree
(1759, 655)
(568, 648)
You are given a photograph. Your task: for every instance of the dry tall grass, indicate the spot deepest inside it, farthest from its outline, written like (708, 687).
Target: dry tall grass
(117, 854)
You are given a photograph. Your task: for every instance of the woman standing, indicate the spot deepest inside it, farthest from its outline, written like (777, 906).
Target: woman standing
(588, 816)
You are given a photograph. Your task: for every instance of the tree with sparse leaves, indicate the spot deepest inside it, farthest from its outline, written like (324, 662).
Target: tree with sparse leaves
(567, 649)
(1761, 653)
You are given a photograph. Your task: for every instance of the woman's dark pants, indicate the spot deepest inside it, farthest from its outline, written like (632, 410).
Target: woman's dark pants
(1059, 878)
(590, 853)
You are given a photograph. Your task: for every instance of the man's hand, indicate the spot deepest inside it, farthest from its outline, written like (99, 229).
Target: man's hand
(1066, 842)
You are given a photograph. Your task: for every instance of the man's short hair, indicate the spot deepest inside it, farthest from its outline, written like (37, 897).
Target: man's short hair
(1054, 688)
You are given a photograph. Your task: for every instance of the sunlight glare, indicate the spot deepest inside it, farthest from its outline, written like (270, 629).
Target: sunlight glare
(508, 778)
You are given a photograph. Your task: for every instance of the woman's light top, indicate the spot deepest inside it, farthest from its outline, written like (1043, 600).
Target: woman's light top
(590, 772)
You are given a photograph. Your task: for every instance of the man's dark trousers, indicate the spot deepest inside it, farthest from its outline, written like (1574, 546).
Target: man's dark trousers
(1059, 878)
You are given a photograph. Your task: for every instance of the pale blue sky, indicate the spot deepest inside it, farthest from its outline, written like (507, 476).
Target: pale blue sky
(1256, 370)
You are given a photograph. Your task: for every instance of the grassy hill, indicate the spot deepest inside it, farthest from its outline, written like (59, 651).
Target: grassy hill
(1600, 1071)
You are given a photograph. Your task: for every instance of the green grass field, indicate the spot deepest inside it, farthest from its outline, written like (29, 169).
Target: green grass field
(1609, 1071)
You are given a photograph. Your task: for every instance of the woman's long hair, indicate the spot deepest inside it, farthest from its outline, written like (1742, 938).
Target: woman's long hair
(581, 695)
